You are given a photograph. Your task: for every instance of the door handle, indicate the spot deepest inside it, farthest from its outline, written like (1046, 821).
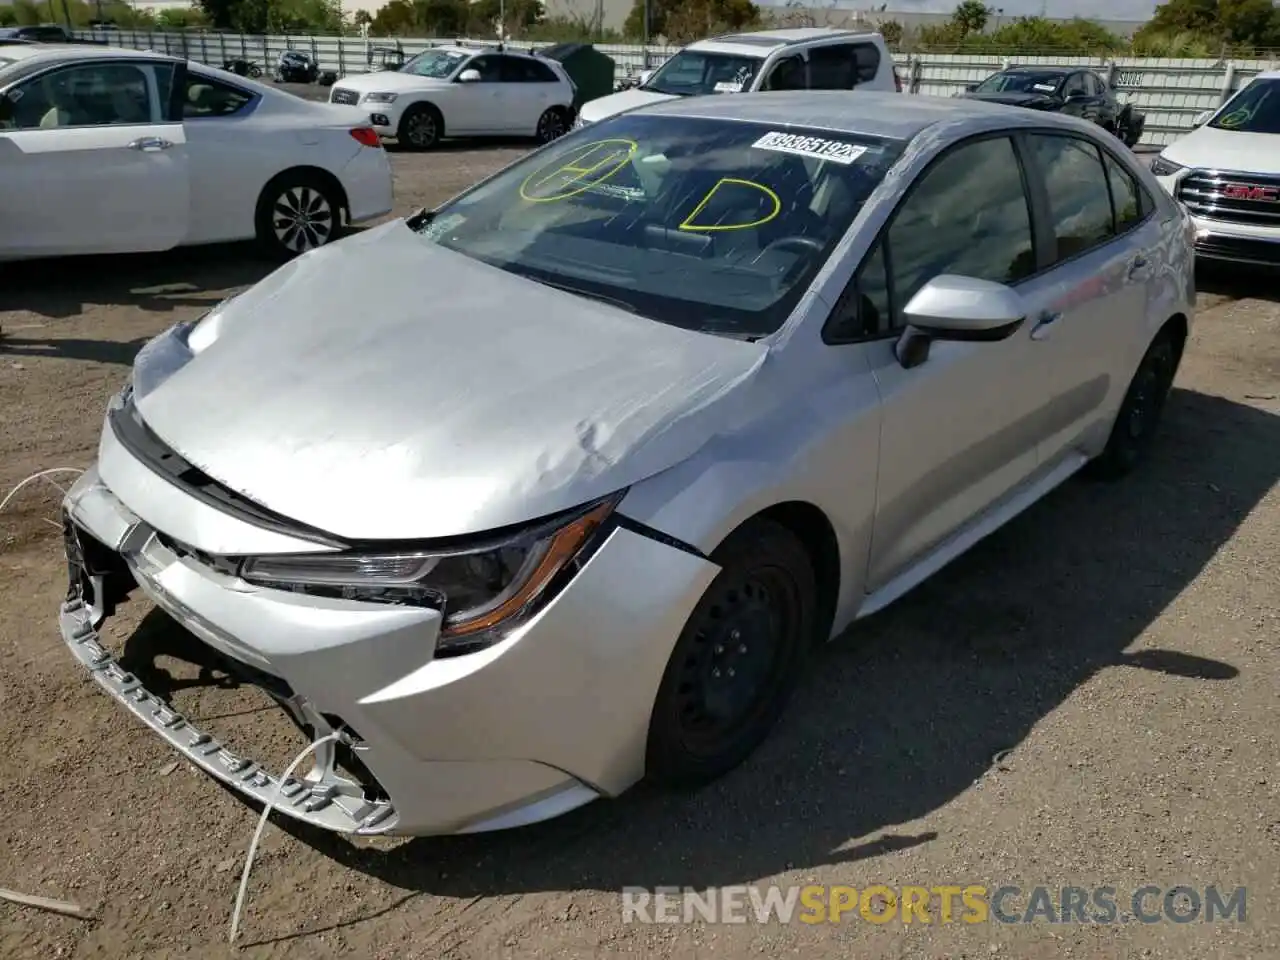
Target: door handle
(1046, 319)
(150, 144)
(1138, 263)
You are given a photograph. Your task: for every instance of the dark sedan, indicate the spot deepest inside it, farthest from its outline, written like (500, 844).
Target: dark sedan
(1080, 93)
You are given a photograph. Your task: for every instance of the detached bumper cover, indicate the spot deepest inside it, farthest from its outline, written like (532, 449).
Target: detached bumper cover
(316, 802)
(551, 717)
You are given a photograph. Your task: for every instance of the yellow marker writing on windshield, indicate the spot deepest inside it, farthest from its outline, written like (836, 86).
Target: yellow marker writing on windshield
(732, 182)
(584, 168)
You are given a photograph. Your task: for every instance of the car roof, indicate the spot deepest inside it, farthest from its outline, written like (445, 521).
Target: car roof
(893, 116)
(1032, 68)
(763, 42)
(78, 51)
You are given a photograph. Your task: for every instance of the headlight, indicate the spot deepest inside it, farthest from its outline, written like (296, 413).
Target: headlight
(483, 590)
(380, 97)
(1164, 168)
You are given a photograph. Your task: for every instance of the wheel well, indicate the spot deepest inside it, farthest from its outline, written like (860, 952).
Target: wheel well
(426, 105)
(1176, 328)
(814, 530)
(318, 173)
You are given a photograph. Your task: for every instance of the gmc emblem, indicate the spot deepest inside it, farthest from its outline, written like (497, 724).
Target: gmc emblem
(1248, 191)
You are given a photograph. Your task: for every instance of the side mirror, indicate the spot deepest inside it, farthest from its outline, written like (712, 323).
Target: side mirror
(469, 76)
(644, 76)
(950, 307)
(1202, 118)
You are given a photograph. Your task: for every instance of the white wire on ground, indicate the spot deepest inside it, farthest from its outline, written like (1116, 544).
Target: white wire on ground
(42, 475)
(262, 822)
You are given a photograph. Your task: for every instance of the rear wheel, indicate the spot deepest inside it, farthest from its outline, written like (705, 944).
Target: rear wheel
(552, 125)
(1139, 415)
(420, 128)
(737, 660)
(298, 211)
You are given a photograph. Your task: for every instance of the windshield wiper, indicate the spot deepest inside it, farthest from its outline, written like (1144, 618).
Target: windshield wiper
(589, 294)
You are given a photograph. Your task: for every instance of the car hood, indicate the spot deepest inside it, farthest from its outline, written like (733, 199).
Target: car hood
(387, 388)
(1037, 101)
(1212, 149)
(599, 109)
(390, 81)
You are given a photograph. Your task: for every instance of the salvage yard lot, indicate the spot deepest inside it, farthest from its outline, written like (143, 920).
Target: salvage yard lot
(1120, 641)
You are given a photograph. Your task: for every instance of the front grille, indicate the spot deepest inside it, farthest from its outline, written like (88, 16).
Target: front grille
(1232, 197)
(1240, 249)
(349, 97)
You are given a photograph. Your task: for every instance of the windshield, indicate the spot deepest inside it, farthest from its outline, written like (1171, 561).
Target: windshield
(704, 224)
(692, 73)
(1020, 82)
(1255, 109)
(437, 64)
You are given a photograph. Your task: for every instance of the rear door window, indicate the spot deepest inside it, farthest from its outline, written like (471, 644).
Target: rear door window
(1079, 197)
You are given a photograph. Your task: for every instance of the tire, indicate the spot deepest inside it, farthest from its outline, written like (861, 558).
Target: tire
(552, 125)
(420, 128)
(297, 211)
(1139, 415)
(737, 660)
(255, 71)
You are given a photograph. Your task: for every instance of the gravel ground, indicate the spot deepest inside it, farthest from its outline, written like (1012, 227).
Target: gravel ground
(1114, 648)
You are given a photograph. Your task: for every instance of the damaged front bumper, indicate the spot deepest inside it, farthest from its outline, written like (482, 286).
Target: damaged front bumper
(551, 717)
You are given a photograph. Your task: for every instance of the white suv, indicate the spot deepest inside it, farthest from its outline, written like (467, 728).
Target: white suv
(808, 58)
(1226, 173)
(459, 92)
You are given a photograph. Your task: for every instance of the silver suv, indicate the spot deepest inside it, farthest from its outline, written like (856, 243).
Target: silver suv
(807, 58)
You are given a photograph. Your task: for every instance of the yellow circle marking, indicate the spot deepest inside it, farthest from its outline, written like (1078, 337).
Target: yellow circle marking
(688, 223)
(591, 164)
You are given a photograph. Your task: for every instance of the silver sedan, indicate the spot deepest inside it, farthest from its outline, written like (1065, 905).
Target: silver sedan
(638, 422)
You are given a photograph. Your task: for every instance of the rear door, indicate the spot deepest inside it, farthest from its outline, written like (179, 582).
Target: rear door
(530, 88)
(93, 162)
(1099, 228)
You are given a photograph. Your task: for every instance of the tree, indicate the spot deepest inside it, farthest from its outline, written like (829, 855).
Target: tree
(685, 20)
(891, 30)
(970, 16)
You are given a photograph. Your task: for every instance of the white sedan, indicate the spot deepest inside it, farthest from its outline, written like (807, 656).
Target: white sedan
(456, 92)
(105, 150)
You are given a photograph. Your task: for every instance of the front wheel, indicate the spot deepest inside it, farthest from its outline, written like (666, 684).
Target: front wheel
(420, 128)
(255, 71)
(297, 212)
(1139, 415)
(739, 657)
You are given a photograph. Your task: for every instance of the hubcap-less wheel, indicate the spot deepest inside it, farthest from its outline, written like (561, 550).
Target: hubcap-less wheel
(550, 126)
(1140, 413)
(731, 669)
(420, 129)
(302, 219)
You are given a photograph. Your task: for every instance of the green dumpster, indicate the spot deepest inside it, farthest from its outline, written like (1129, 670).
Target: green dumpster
(591, 71)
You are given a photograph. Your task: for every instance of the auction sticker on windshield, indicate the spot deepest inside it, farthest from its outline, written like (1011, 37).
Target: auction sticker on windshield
(728, 86)
(1046, 87)
(837, 151)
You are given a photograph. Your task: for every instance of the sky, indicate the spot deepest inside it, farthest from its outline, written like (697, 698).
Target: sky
(1089, 9)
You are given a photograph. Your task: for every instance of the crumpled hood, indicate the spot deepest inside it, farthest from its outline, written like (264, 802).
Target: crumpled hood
(593, 111)
(1036, 101)
(1209, 148)
(387, 388)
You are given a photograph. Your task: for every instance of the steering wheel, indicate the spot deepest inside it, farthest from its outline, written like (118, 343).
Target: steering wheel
(797, 243)
(800, 245)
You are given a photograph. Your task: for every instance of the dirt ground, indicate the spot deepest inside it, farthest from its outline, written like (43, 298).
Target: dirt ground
(1090, 698)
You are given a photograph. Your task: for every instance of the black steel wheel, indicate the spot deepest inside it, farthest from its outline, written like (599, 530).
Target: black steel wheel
(420, 128)
(1140, 413)
(738, 658)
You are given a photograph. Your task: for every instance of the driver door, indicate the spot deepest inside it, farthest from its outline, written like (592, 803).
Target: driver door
(1074, 86)
(959, 432)
(92, 162)
(483, 103)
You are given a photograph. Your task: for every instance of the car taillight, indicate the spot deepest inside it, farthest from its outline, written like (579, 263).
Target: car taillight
(366, 136)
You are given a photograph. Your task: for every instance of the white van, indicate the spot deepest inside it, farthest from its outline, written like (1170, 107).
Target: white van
(806, 58)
